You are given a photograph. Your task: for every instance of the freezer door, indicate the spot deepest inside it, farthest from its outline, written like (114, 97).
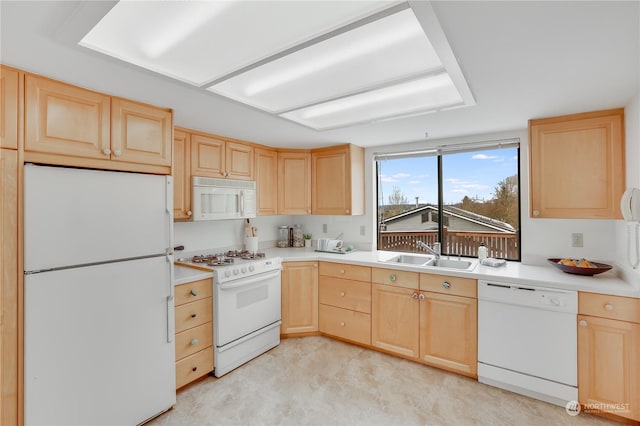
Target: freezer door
(79, 216)
(96, 349)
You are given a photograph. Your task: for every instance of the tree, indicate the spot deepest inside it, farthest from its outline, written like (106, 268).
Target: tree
(397, 202)
(504, 204)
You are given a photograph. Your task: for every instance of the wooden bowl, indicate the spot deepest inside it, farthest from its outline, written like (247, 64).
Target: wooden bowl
(576, 270)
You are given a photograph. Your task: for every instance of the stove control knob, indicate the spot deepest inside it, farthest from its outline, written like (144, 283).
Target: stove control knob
(244, 269)
(227, 273)
(252, 268)
(236, 271)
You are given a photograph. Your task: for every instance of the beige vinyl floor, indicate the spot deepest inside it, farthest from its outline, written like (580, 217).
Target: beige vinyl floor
(320, 381)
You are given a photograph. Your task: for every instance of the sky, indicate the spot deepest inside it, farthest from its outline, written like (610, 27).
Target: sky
(474, 174)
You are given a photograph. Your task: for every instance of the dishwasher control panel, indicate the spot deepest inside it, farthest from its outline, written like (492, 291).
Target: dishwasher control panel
(528, 296)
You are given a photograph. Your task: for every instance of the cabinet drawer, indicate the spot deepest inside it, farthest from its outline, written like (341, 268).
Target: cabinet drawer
(194, 366)
(342, 270)
(346, 324)
(445, 284)
(613, 307)
(192, 314)
(347, 294)
(193, 340)
(195, 290)
(395, 278)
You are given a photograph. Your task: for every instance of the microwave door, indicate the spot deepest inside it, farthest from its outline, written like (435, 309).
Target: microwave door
(218, 203)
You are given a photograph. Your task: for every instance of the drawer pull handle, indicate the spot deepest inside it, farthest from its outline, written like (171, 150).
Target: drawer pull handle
(583, 323)
(342, 324)
(194, 342)
(446, 284)
(106, 151)
(342, 271)
(194, 368)
(608, 307)
(194, 292)
(414, 295)
(392, 277)
(193, 315)
(342, 294)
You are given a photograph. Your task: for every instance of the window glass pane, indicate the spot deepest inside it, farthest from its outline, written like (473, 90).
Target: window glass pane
(481, 200)
(481, 203)
(407, 202)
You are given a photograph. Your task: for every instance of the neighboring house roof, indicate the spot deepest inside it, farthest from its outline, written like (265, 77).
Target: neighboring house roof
(455, 211)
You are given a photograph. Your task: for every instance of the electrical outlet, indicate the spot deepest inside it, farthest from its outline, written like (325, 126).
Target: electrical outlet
(577, 239)
(324, 228)
(363, 230)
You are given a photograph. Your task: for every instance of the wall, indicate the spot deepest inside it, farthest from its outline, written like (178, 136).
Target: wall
(621, 231)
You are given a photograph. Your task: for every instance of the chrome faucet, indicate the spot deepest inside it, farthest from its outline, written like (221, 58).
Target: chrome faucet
(434, 251)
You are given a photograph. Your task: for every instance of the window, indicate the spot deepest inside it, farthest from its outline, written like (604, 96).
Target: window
(460, 198)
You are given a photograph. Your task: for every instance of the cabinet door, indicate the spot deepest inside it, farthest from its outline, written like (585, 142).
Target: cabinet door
(207, 156)
(395, 319)
(181, 175)
(267, 181)
(66, 120)
(449, 332)
(11, 352)
(294, 183)
(9, 86)
(331, 182)
(239, 161)
(141, 133)
(299, 297)
(609, 365)
(577, 165)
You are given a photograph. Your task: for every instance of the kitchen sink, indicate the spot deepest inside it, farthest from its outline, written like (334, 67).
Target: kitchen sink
(450, 263)
(411, 259)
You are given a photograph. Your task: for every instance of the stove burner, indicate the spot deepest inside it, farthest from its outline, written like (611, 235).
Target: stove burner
(233, 253)
(203, 258)
(250, 256)
(220, 262)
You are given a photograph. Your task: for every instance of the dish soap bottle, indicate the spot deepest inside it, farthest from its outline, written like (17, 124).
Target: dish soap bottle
(482, 252)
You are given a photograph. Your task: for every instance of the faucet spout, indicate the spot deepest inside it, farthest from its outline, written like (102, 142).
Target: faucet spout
(434, 251)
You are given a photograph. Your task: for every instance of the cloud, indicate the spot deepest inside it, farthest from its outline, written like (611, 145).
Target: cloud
(388, 179)
(484, 157)
(460, 191)
(414, 182)
(459, 184)
(401, 175)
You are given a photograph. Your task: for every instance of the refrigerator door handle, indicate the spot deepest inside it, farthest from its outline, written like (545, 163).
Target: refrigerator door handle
(171, 329)
(169, 210)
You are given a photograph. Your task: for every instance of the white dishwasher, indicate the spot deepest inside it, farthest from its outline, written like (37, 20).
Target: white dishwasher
(527, 340)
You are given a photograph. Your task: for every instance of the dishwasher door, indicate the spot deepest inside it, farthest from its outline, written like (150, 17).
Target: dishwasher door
(527, 337)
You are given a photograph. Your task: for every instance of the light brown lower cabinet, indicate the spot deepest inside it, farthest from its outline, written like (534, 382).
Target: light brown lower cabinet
(395, 320)
(194, 330)
(609, 355)
(299, 298)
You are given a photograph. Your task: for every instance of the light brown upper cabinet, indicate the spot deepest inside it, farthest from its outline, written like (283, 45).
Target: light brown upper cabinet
(68, 125)
(294, 182)
(266, 162)
(140, 133)
(577, 165)
(338, 180)
(181, 175)
(9, 107)
(212, 156)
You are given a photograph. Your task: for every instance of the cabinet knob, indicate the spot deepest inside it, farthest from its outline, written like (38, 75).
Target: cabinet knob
(342, 271)
(421, 296)
(342, 324)
(193, 315)
(189, 213)
(194, 342)
(536, 212)
(342, 294)
(346, 211)
(117, 153)
(446, 284)
(582, 323)
(608, 307)
(392, 277)
(309, 211)
(106, 151)
(194, 292)
(194, 368)
(315, 265)
(414, 295)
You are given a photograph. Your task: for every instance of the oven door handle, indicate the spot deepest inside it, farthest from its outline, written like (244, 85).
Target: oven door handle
(248, 337)
(248, 281)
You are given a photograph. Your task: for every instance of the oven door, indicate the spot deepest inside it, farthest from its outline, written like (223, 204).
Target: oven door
(246, 305)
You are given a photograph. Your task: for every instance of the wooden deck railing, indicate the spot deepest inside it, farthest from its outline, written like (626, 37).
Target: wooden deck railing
(499, 244)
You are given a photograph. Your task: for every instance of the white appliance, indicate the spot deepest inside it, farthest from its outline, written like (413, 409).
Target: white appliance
(217, 199)
(246, 306)
(99, 319)
(527, 340)
(630, 209)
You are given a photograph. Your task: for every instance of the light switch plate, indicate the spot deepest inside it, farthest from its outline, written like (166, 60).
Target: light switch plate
(577, 239)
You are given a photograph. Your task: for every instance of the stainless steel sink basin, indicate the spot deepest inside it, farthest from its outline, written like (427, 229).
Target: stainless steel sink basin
(411, 259)
(450, 263)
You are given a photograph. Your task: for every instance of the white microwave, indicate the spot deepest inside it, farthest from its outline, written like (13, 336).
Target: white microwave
(217, 199)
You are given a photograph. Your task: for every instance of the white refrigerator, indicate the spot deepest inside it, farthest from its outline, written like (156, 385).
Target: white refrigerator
(98, 293)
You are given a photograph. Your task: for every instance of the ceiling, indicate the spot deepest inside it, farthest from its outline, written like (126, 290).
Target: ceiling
(521, 60)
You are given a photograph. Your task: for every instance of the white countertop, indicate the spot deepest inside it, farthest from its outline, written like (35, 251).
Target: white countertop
(183, 274)
(542, 276)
